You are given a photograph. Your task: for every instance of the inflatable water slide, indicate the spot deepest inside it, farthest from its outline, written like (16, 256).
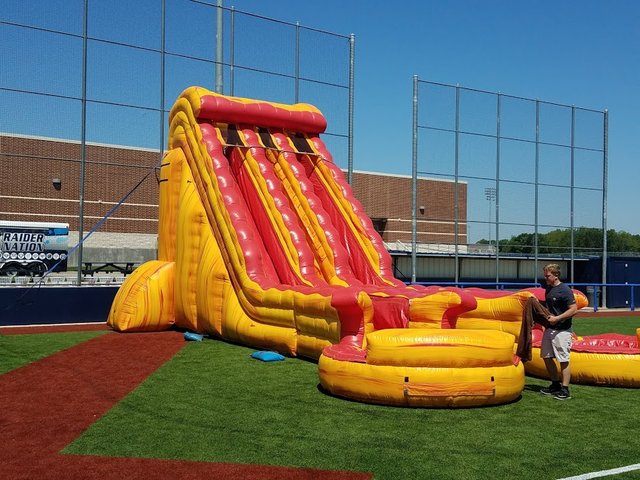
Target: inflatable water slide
(262, 243)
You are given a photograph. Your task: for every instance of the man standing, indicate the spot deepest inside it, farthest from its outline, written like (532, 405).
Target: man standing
(557, 339)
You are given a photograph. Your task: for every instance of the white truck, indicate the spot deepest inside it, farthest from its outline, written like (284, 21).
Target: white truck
(32, 248)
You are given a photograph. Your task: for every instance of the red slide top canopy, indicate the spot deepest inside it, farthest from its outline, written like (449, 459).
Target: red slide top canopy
(300, 117)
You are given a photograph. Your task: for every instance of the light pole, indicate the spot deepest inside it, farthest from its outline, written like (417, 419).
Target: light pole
(490, 194)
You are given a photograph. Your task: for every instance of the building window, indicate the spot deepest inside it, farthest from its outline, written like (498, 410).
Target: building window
(379, 224)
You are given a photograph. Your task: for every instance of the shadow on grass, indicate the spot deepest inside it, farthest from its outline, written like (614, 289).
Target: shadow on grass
(324, 391)
(533, 388)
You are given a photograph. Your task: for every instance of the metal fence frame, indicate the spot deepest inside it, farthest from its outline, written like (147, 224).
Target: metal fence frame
(219, 63)
(495, 191)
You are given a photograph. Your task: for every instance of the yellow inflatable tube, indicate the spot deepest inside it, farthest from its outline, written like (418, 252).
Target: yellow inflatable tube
(608, 359)
(425, 368)
(617, 370)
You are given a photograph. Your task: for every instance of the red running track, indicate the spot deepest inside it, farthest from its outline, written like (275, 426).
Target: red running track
(45, 405)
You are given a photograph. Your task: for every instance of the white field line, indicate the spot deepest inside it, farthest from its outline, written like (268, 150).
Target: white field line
(604, 473)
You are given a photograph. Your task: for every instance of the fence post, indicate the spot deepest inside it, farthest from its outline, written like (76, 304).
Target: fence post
(219, 54)
(497, 187)
(605, 173)
(83, 139)
(297, 66)
(162, 72)
(232, 27)
(352, 61)
(414, 180)
(572, 192)
(536, 194)
(456, 168)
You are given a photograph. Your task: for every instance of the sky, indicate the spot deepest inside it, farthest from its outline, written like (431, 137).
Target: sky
(584, 53)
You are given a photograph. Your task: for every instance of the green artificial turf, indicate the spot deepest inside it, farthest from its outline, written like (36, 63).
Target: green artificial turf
(19, 350)
(212, 402)
(598, 325)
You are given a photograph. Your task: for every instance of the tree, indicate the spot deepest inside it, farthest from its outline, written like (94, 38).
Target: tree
(586, 241)
(622, 242)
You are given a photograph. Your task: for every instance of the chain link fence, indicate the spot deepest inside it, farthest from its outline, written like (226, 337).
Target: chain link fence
(86, 87)
(529, 177)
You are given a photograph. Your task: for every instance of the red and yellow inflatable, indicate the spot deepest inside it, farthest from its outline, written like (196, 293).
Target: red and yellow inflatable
(261, 242)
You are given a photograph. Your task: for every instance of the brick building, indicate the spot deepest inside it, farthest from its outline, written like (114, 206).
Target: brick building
(40, 181)
(387, 200)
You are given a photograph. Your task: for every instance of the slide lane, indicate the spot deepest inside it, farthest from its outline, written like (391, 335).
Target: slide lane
(276, 173)
(315, 310)
(318, 233)
(397, 304)
(222, 279)
(303, 164)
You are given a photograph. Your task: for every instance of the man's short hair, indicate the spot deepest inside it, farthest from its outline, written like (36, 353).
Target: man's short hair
(553, 268)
